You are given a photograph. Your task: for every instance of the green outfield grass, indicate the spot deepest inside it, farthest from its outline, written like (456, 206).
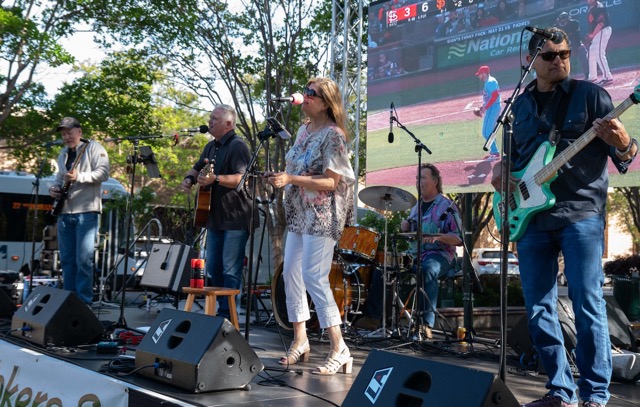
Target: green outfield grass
(459, 141)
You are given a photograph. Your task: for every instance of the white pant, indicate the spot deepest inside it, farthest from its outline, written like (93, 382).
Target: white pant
(598, 55)
(307, 264)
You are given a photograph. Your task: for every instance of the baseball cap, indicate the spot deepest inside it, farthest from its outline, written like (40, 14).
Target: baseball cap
(68, 123)
(483, 69)
(564, 14)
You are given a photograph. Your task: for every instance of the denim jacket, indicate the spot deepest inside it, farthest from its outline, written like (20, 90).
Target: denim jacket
(581, 186)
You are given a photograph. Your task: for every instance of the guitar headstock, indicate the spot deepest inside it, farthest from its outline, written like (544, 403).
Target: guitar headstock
(635, 96)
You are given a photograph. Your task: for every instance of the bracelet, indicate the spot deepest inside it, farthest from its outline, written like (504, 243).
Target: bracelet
(191, 178)
(622, 153)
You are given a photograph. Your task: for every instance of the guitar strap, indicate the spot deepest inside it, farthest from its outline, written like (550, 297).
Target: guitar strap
(561, 113)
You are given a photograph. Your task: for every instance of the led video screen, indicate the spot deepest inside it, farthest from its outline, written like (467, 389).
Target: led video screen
(423, 57)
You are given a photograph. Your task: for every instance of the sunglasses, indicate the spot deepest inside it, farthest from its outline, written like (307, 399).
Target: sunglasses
(310, 93)
(550, 56)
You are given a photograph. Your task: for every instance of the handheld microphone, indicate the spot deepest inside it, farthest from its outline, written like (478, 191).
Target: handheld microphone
(556, 37)
(202, 129)
(278, 128)
(390, 137)
(294, 99)
(58, 142)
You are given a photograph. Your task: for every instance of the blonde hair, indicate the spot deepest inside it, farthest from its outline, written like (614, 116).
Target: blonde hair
(330, 93)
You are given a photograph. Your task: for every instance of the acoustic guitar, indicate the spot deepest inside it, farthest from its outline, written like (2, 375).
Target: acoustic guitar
(203, 199)
(58, 203)
(532, 193)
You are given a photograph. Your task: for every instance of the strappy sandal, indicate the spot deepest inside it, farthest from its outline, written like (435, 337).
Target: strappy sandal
(334, 362)
(293, 355)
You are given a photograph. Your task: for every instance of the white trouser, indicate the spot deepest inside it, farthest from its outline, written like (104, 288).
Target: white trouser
(598, 55)
(307, 264)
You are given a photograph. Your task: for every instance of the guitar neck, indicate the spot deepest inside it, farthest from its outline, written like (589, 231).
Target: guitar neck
(549, 170)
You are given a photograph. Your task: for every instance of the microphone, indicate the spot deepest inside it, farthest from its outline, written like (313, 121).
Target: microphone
(556, 37)
(57, 142)
(278, 128)
(202, 129)
(446, 211)
(294, 99)
(390, 137)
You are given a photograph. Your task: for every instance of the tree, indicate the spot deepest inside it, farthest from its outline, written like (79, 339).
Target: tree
(30, 31)
(234, 53)
(625, 202)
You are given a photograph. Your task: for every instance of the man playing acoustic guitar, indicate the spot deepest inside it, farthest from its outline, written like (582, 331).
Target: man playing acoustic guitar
(574, 225)
(82, 168)
(227, 220)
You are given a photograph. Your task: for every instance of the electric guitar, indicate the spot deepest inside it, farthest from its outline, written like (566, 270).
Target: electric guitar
(58, 203)
(203, 199)
(532, 193)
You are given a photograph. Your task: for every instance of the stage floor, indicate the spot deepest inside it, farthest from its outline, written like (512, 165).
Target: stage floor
(298, 387)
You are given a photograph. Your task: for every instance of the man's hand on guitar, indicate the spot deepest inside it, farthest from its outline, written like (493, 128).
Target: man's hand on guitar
(54, 192)
(612, 132)
(496, 178)
(71, 176)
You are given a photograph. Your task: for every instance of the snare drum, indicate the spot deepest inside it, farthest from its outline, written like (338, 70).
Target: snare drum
(358, 242)
(348, 291)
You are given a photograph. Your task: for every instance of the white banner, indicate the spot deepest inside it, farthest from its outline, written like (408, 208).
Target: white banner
(29, 378)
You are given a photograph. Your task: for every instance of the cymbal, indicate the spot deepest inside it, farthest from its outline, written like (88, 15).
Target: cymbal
(387, 198)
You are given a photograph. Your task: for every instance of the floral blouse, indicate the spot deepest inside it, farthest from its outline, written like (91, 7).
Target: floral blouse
(312, 212)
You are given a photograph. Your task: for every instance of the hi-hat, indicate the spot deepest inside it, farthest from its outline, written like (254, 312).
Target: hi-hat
(387, 198)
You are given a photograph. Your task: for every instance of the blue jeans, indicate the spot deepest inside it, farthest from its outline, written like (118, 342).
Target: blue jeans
(77, 239)
(582, 245)
(433, 268)
(224, 262)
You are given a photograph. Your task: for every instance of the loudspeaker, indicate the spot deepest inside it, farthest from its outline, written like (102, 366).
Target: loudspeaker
(51, 316)
(168, 267)
(620, 331)
(7, 307)
(391, 379)
(196, 352)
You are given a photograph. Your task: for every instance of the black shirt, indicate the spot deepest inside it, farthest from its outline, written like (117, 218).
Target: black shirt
(230, 210)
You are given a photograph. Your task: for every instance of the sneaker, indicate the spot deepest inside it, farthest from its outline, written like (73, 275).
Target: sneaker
(592, 404)
(549, 401)
(425, 331)
(605, 82)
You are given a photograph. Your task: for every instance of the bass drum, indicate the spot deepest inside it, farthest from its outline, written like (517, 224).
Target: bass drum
(348, 292)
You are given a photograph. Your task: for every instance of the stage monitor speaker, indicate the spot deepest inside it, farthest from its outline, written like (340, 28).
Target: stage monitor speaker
(196, 352)
(168, 267)
(620, 331)
(7, 307)
(390, 379)
(51, 316)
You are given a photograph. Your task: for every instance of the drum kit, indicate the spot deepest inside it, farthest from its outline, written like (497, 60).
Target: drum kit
(356, 256)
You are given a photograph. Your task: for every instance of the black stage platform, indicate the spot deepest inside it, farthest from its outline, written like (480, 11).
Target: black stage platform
(273, 386)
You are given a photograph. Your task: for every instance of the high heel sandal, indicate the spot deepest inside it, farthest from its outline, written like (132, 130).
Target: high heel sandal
(334, 362)
(293, 355)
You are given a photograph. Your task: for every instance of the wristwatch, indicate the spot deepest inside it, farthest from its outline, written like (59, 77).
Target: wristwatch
(217, 180)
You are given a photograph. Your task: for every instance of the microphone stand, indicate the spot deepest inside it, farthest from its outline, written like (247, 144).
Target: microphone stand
(263, 136)
(505, 120)
(419, 283)
(122, 323)
(36, 184)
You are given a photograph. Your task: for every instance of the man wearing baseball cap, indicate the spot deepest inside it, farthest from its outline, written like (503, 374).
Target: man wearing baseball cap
(82, 167)
(490, 108)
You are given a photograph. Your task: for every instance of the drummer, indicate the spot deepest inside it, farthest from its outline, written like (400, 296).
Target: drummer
(441, 233)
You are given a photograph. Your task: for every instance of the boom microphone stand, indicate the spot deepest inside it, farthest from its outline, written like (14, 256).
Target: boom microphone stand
(505, 120)
(419, 283)
(263, 136)
(149, 161)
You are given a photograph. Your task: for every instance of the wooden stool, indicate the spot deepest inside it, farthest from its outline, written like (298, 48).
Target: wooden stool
(210, 294)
